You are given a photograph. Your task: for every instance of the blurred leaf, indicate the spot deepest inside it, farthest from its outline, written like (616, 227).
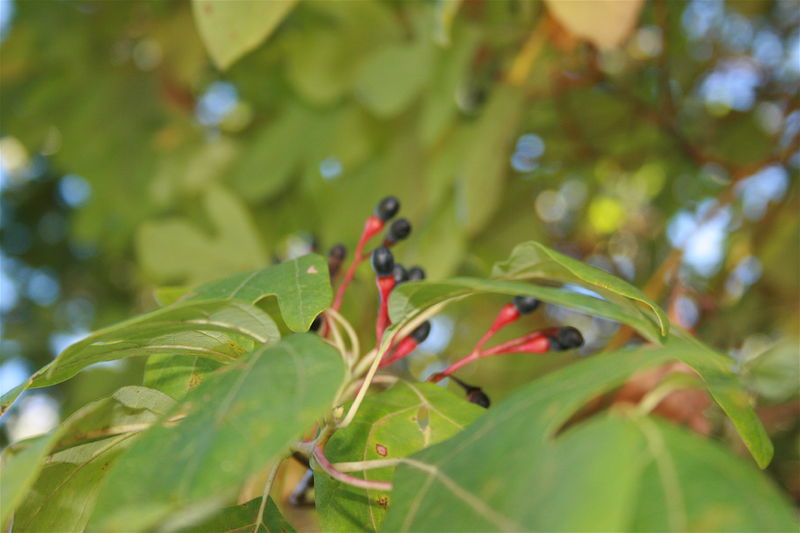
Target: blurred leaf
(301, 285)
(508, 471)
(244, 517)
(485, 162)
(129, 410)
(727, 390)
(276, 152)
(532, 260)
(391, 77)
(775, 373)
(175, 251)
(438, 244)
(233, 426)
(604, 24)
(694, 484)
(231, 29)
(445, 11)
(322, 62)
(395, 423)
(221, 330)
(169, 295)
(439, 106)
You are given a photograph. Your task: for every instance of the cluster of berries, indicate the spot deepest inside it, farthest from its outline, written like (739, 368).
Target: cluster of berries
(390, 274)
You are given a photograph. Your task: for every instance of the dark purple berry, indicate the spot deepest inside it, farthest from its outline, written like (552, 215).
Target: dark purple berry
(525, 304)
(568, 338)
(382, 261)
(400, 274)
(336, 257)
(416, 273)
(387, 208)
(477, 396)
(399, 230)
(337, 252)
(421, 332)
(474, 394)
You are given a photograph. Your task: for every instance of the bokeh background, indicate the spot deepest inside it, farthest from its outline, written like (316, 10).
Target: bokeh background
(657, 140)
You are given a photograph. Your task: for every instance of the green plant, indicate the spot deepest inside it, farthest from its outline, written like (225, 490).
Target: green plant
(231, 390)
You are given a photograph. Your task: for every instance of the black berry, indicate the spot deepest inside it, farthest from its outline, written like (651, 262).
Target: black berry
(399, 230)
(525, 304)
(568, 338)
(416, 273)
(382, 261)
(421, 332)
(474, 394)
(337, 252)
(336, 257)
(477, 396)
(400, 273)
(387, 208)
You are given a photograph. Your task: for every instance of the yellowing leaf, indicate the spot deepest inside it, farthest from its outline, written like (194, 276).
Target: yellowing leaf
(230, 29)
(604, 23)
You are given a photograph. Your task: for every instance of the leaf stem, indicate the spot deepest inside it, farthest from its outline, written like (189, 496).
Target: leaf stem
(322, 461)
(265, 496)
(359, 466)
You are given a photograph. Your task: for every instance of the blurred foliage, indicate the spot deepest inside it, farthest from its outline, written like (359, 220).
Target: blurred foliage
(668, 156)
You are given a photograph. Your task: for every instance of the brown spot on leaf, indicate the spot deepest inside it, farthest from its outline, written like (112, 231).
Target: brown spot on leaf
(208, 8)
(383, 501)
(381, 450)
(194, 381)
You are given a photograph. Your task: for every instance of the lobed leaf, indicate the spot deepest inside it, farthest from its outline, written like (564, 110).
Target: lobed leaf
(302, 287)
(237, 422)
(395, 423)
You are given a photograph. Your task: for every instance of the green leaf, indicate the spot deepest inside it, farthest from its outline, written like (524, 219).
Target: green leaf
(174, 375)
(395, 423)
(231, 29)
(728, 391)
(269, 161)
(486, 162)
(532, 260)
(63, 496)
(509, 472)
(302, 287)
(411, 299)
(391, 77)
(221, 330)
(694, 484)
(127, 411)
(301, 295)
(174, 250)
(444, 12)
(236, 423)
(244, 517)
